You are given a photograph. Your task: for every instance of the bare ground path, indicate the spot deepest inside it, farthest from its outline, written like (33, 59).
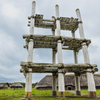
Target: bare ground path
(72, 91)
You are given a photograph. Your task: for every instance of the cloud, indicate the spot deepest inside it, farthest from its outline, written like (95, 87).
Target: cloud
(8, 10)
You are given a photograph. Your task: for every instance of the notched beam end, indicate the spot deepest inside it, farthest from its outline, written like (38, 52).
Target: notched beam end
(21, 70)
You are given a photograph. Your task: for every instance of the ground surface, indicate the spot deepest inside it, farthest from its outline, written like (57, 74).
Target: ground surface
(18, 94)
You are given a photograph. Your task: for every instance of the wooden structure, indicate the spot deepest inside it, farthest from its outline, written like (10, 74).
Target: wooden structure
(4, 85)
(57, 43)
(16, 85)
(46, 82)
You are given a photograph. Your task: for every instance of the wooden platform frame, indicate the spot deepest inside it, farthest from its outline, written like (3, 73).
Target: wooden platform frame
(57, 43)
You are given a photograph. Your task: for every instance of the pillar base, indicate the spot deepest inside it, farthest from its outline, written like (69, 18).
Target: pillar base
(54, 93)
(27, 94)
(92, 94)
(78, 92)
(61, 94)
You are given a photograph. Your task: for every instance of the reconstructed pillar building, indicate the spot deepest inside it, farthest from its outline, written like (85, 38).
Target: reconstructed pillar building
(57, 43)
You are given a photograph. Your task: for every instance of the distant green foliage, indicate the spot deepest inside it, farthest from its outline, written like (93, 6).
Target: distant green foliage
(18, 94)
(22, 84)
(34, 84)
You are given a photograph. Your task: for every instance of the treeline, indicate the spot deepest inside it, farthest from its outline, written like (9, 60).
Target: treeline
(22, 83)
(33, 84)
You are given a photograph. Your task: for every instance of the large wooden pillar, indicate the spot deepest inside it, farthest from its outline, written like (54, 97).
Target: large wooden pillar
(54, 84)
(77, 83)
(90, 76)
(61, 84)
(54, 75)
(28, 84)
(77, 75)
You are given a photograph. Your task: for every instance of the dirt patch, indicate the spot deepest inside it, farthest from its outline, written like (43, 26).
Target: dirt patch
(2, 99)
(9, 97)
(75, 92)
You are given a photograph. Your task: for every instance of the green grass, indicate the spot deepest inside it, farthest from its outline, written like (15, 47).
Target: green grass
(86, 92)
(18, 94)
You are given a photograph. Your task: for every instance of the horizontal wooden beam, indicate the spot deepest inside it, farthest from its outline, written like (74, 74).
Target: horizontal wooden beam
(66, 23)
(51, 38)
(51, 69)
(45, 20)
(50, 41)
(43, 65)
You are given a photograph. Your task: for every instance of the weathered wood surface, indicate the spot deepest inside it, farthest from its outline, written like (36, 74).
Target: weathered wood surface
(52, 38)
(28, 85)
(77, 84)
(50, 41)
(90, 76)
(81, 32)
(43, 65)
(54, 84)
(77, 77)
(50, 68)
(65, 22)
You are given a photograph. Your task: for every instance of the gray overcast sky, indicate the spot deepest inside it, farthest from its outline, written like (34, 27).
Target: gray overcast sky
(13, 24)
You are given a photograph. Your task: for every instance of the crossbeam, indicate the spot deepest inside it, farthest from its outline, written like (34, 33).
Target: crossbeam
(31, 64)
(49, 67)
(50, 41)
(66, 22)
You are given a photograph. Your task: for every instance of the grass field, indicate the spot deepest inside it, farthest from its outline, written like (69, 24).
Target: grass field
(18, 94)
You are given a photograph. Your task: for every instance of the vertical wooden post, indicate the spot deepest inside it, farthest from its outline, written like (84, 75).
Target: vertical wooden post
(32, 18)
(90, 77)
(77, 76)
(54, 75)
(28, 85)
(77, 84)
(61, 84)
(54, 84)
